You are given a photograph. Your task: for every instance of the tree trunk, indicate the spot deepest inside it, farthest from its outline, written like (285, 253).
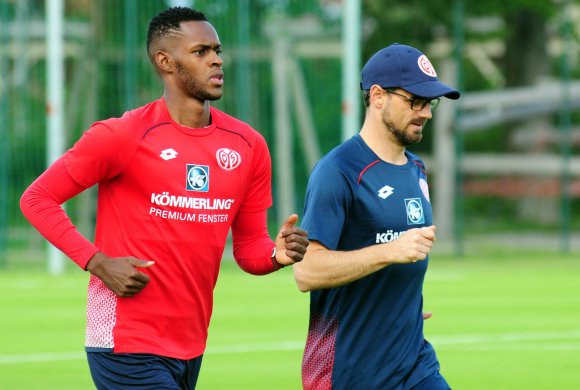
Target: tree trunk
(526, 57)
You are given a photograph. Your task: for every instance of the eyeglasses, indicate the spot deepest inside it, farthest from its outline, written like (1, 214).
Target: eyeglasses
(417, 103)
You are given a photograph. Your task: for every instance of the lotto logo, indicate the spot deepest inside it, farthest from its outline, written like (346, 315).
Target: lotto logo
(168, 154)
(385, 192)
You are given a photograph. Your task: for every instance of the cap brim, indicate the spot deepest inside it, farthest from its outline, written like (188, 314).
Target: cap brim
(432, 90)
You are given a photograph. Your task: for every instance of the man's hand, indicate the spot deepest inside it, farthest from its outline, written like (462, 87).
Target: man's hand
(120, 274)
(291, 242)
(412, 246)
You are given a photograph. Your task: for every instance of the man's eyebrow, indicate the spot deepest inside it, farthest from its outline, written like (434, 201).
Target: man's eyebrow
(206, 46)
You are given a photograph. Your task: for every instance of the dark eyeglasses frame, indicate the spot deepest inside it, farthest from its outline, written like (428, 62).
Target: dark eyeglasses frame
(417, 103)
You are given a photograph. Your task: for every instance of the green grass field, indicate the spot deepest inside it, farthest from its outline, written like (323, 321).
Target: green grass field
(501, 321)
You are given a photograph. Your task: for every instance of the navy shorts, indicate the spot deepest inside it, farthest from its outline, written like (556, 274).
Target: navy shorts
(433, 382)
(121, 371)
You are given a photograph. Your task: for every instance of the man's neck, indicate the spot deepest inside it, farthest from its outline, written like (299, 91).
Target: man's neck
(383, 145)
(187, 111)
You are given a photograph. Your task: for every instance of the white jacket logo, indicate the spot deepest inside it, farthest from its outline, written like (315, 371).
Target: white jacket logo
(383, 238)
(167, 199)
(228, 159)
(385, 192)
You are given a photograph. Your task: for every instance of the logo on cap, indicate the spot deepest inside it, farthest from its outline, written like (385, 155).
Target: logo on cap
(426, 67)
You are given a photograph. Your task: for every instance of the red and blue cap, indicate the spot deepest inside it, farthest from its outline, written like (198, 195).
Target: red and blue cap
(402, 66)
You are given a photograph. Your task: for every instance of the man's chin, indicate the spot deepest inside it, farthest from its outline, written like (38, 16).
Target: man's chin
(213, 97)
(409, 141)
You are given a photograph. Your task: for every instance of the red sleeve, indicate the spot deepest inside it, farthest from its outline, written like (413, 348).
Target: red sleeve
(40, 204)
(252, 244)
(259, 196)
(97, 155)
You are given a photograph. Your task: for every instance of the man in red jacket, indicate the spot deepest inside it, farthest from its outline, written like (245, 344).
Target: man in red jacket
(173, 176)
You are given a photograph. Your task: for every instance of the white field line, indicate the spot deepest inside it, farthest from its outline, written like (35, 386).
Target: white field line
(527, 341)
(264, 347)
(547, 347)
(504, 337)
(41, 357)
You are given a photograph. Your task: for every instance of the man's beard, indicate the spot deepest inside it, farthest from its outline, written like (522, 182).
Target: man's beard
(403, 138)
(192, 86)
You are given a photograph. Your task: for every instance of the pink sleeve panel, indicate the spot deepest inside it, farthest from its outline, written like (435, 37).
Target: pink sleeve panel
(252, 244)
(41, 205)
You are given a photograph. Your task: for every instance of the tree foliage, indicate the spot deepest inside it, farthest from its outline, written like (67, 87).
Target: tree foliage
(523, 29)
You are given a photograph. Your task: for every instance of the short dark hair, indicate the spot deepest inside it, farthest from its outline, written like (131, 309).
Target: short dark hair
(170, 20)
(367, 98)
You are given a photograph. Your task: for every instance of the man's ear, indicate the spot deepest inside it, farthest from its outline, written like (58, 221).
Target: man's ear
(163, 62)
(376, 96)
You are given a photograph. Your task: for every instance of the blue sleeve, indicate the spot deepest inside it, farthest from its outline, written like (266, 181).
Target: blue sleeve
(328, 199)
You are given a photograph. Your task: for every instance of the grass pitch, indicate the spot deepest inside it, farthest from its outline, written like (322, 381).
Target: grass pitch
(501, 321)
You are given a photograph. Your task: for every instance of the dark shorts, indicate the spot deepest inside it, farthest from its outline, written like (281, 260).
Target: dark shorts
(141, 371)
(433, 382)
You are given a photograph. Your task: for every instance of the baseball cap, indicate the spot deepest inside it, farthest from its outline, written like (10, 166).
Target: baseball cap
(402, 66)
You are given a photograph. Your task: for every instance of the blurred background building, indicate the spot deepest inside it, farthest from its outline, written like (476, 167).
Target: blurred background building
(503, 161)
